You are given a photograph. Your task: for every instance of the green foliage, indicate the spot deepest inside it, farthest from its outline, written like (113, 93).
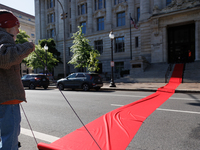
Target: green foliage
(22, 37)
(51, 48)
(34, 62)
(84, 55)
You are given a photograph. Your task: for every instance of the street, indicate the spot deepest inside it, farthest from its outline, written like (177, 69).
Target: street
(175, 125)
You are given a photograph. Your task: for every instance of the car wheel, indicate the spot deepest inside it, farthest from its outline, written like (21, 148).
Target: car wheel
(85, 87)
(31, 86)
(45, 87)
(60, 86)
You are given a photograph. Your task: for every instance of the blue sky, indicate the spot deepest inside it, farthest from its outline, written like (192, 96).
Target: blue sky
(27, 6)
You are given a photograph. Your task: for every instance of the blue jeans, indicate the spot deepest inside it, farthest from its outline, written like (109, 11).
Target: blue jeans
(10, 119)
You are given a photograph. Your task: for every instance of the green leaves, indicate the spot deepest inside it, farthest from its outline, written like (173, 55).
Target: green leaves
(84, 55)
(22, 37)
(34, 62)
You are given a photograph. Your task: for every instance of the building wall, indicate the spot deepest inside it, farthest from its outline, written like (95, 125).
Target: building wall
(155, 18)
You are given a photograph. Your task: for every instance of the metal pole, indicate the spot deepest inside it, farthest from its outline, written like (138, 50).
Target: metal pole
(130, 39)
(64, 40)
(112, 83)
(46, 63)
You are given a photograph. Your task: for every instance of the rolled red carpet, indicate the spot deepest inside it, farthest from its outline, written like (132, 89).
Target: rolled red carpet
(116, 129)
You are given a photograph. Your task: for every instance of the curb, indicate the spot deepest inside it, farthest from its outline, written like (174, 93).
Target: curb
(143, 90)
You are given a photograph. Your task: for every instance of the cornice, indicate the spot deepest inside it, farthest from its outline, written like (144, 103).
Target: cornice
(176, 5)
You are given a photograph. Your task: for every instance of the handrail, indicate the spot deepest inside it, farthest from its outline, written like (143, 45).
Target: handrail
(168, 71)
(183, 71)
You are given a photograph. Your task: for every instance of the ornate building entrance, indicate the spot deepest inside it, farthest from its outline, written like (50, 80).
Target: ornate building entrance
(181, 44)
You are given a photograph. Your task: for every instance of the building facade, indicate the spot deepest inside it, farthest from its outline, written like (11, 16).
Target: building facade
(27, 23)
(168, 30)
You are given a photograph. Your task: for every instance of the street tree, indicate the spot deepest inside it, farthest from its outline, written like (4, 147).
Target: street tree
(36, 62)
(84, 55)
(51, 48)
(22, 37)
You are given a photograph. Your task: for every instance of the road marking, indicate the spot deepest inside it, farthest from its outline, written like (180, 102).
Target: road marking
(182, 111)
(116, 105)
(39, 135)
(172, 110)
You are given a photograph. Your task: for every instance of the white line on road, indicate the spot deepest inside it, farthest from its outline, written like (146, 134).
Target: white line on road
(172, 110)
(116, 105)
(39, 135)
(182, 111)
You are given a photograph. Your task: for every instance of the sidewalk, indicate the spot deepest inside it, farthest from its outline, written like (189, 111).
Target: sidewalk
(182, 88)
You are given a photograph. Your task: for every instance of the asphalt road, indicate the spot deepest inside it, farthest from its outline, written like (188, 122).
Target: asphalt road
(173, 126)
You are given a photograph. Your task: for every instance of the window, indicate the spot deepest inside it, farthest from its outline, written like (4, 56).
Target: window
(121, 19)
(51, 18)
(168, 2)
(70, 28)
(100, 24)
(69, 51)
(138, 13)
(50, 4)
(95, 3)
(99, 4)
(82, 9)
(119, 44)
(72, 76)
(52, 33)
(78, 10)
(70, 13)
(99, 46)
(119, 1)
(84, 27)
(80, 75)
(136, 42)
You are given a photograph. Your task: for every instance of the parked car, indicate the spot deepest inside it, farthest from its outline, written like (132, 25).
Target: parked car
(81, 80)
(35, 80)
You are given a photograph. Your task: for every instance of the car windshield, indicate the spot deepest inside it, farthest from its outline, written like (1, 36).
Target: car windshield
(24, 77)
(72, 75)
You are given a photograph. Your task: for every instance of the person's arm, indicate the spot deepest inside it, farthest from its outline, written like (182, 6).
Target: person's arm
(11, 53)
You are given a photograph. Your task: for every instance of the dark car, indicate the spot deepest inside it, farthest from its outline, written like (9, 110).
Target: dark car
(35, 80)
(81, 80)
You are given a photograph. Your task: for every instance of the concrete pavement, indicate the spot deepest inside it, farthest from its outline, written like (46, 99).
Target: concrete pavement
(183, 87)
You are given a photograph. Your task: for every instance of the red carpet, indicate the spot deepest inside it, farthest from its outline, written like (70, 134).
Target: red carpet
(116, 129)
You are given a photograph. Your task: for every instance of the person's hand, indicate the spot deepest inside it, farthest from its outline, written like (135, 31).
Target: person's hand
(33, 45)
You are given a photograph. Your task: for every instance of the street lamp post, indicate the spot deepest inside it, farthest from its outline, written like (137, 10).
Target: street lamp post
(64, 38)
(112, 83)
(46, 49)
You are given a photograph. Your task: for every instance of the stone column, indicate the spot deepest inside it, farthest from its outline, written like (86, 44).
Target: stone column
(73, 16)
(108, 15)
(144, 9)
(131, 8)
(37, 20)
(197, 40)
(89, 18)
(43, 19)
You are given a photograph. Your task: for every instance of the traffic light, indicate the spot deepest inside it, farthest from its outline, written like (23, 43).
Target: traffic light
(64, 15)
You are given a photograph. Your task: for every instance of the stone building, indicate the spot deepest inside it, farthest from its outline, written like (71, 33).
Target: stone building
(168, 30)
(27, 23)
